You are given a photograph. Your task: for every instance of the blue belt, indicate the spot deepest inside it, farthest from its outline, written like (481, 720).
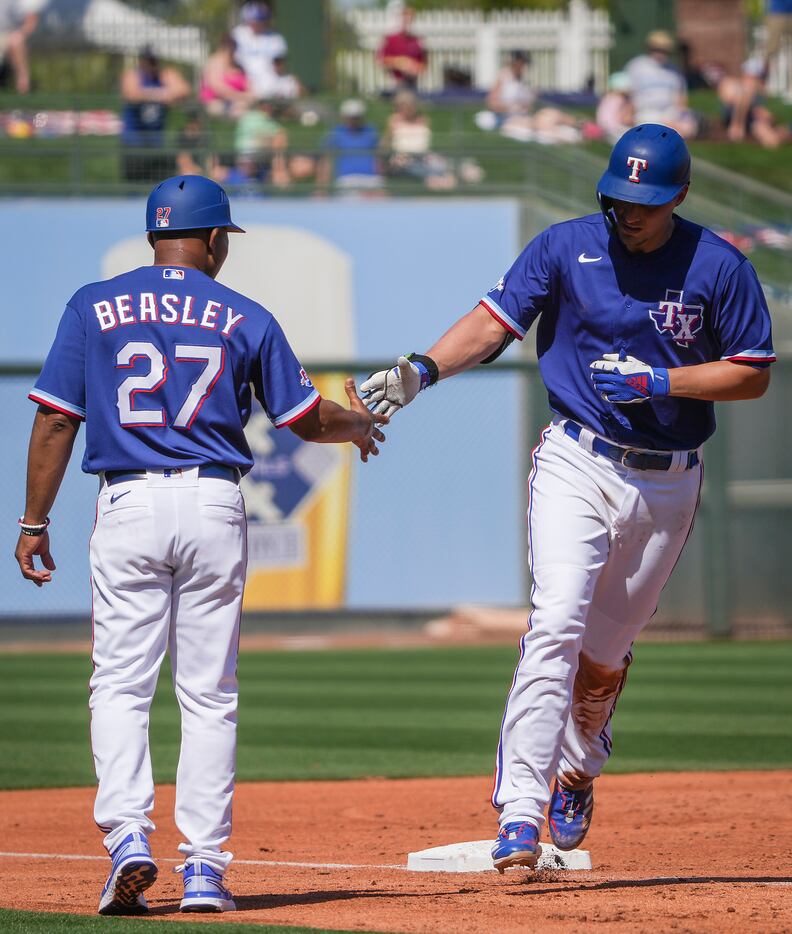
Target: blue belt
(629, 457)
(217, 471)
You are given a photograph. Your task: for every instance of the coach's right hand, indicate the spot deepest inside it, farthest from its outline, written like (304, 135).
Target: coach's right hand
(370, 434)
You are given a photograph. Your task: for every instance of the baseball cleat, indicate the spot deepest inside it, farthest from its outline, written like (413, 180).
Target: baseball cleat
(517, 844)
(204, 889)
(569, 815)
(133, 872)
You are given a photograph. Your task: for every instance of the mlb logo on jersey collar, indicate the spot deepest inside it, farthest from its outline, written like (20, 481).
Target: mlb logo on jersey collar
(172, 273)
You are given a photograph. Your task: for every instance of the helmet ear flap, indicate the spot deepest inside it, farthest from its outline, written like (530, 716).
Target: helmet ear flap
(606, 206)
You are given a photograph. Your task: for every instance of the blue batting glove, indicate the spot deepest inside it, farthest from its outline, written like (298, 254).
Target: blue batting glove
(628, 380)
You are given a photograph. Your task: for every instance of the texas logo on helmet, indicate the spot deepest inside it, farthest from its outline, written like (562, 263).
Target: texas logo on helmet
(636, 165)
(677, 320)
(163, 217)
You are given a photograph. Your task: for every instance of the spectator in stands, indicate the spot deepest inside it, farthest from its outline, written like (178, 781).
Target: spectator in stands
(148, 90)
(402, 54)
(224, 85)
(285, 86)
(190, 143)
(744, 113)
(261, 138)
(351, 152)
(778, 26)
(258, 45)
(408, 139)
(18, 21)
(512, 103)
(512, 92)
(615, 111)
(659, 92)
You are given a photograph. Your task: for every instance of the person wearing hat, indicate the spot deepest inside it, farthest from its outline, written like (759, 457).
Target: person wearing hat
(351, 159)
(148, 89)
(162, 363)
(659, 90)
(644, 320)
(257, 47)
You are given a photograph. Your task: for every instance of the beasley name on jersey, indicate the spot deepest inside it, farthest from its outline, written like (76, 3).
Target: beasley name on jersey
(160, 362)
(694, 300)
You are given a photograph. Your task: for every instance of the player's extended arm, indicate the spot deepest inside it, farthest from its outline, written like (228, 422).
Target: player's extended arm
(329, 422)
(629, 380)
(474, 338)
(51, 443)
(719, 381)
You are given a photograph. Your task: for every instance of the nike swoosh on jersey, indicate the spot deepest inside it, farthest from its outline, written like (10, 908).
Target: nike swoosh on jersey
(588, 259)
(117, 496)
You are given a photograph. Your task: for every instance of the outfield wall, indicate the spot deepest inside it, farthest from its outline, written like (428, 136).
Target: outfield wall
(438, 520)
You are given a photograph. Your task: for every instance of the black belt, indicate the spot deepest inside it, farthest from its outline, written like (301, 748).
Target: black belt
(629, 457)
(217, 471)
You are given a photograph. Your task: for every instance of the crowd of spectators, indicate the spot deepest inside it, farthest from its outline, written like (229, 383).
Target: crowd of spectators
(652, 89)
(246, 85)
(246, 81)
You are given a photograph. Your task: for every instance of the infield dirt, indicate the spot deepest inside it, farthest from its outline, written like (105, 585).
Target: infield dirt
(681, 852)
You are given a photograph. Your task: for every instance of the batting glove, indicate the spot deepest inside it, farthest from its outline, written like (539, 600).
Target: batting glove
(388, 391)
(628, 380)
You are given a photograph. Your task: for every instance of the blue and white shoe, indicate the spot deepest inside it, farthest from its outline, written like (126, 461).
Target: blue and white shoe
(517, 844)
(569, 815)
(132, 873)
(204, 889)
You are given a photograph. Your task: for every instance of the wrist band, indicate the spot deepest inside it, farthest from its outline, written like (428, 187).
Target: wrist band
(433, 374)
(33, 530)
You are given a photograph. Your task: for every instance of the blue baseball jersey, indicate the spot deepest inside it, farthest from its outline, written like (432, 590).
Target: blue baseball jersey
(160, 363)
(694, 300)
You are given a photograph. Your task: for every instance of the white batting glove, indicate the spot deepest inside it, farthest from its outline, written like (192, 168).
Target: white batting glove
(388, 391)
(626, 379)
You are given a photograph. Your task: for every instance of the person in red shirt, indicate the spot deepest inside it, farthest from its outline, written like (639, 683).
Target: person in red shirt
(402, 54)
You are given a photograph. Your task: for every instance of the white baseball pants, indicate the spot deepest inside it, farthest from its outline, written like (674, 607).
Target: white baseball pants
(168, 558)
(603, 540)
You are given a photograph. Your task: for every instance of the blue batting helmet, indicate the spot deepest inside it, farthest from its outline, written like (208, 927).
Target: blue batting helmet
(187, 202)
(650, 164)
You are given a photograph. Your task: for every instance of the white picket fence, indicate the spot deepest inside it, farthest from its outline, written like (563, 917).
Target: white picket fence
(568, 47)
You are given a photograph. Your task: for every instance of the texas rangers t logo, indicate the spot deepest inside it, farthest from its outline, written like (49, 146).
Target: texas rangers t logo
(679, 321)
(636, 166)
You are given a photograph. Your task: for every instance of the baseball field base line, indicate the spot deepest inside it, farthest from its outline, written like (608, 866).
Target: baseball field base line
(475, 857)
(238, 862)
(457, 857)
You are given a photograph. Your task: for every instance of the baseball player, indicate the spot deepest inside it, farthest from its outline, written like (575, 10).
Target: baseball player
(644, 319)
(160, 362)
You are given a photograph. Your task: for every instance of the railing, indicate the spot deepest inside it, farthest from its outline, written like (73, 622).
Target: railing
(568, 47)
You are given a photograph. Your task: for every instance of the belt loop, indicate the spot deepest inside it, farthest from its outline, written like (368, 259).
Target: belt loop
(586, 440)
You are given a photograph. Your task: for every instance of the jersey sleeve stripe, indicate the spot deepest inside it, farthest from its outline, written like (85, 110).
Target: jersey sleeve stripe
(500, 315)
(752, 356)
(298, 411)
(60, 405)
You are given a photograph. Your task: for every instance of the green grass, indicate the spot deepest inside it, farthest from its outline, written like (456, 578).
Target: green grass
(92, 165)
(28, 922)
(397, 713)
